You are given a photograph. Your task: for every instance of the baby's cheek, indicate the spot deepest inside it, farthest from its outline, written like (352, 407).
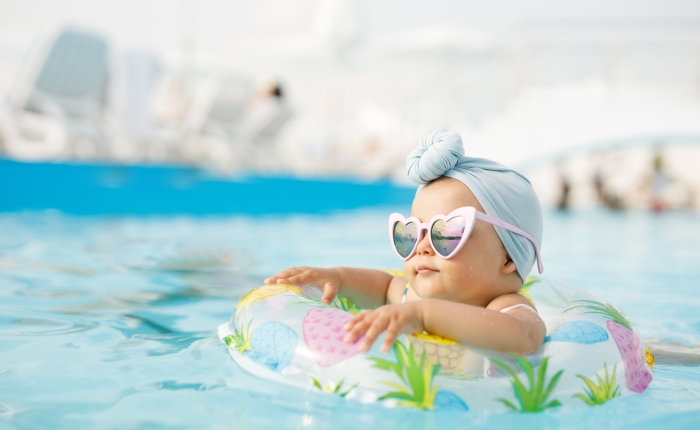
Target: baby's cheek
(457, 272)
(408, 271)
(459, 281)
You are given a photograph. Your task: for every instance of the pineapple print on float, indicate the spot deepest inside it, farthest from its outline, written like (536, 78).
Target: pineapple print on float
(438, 350)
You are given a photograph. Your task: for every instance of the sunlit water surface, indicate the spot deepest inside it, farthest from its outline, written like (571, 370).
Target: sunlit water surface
(98, 329)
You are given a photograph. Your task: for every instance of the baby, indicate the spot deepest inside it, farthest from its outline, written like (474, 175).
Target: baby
(471, 240)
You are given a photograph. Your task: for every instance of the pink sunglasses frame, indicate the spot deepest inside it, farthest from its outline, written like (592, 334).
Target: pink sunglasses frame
(470, 214)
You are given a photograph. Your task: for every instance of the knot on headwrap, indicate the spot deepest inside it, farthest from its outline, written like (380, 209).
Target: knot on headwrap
(502, 192)
(436, 154)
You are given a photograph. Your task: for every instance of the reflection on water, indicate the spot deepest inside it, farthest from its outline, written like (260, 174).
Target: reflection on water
(130, 344)
(74, 328)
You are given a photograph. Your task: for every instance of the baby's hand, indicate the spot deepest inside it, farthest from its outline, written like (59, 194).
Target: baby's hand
(394, 319)
(327, 280)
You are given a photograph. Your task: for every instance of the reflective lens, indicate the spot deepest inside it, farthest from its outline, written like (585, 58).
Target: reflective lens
(405, 237)
(447, 234)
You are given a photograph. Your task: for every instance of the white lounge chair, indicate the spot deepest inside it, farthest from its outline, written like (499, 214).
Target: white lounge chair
(63, 87)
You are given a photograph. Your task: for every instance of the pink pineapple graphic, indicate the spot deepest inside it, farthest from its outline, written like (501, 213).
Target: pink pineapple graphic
(323, 334)
(637, 376)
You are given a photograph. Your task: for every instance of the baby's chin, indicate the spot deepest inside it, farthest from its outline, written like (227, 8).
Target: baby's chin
(437, 291)
(428, 290)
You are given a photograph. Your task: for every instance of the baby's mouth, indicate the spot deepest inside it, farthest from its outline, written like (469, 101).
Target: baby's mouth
(425, 270)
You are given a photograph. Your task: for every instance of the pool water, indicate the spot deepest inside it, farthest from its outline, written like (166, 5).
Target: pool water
(111, 322)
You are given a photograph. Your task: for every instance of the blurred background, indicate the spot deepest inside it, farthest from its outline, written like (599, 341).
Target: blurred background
(160, 158)
(599, 103)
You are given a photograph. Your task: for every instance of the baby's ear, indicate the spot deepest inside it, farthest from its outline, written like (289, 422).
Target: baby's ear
(508, 266)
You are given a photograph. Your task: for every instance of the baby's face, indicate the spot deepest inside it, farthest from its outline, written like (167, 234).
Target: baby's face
(475, 275)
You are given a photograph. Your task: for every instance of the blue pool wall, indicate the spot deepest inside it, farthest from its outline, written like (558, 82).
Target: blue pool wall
(101, 188)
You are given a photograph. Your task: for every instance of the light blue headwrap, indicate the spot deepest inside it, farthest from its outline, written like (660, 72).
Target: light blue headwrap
(503, 193)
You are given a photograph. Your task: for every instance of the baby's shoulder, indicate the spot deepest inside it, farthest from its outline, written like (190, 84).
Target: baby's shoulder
(509, 300)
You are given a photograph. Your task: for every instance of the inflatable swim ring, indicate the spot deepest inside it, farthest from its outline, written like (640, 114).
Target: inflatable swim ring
(592, 354)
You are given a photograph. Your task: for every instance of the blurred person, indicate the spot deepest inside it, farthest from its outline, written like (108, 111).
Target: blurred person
(231, 126)
(564, 200)
(658, 183)
(606, 196)
(260, 122)
(665, 192)
(598, 182)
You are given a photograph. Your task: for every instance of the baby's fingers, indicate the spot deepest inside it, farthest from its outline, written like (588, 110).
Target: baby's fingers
(330, 290)
(300, 279)
(283, 275)
(294, 276)
(392, 332)
(357, 326)
(377, 327)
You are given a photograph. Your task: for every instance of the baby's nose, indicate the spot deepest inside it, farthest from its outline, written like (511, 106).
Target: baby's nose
(423, 246)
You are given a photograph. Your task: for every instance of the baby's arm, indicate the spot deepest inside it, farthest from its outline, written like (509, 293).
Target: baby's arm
(367, 288)
(518, 331)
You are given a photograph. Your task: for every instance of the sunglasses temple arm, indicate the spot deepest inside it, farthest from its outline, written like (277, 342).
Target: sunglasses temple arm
(516, 230)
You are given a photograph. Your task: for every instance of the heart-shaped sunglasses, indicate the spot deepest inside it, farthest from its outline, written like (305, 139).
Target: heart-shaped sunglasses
(448, 233)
